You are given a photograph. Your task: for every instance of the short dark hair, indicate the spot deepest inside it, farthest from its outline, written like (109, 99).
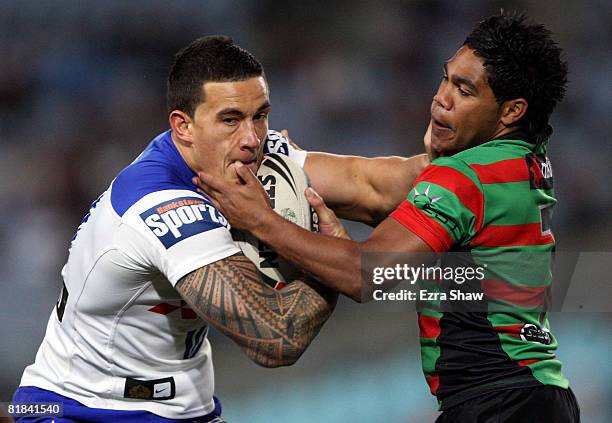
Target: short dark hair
(522, 60)
(214, 58)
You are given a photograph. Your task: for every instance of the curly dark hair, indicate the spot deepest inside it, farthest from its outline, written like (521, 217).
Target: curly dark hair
(214, 58)
(522, 60)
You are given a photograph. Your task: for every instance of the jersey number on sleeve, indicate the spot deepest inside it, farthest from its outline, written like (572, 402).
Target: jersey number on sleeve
(193, 341)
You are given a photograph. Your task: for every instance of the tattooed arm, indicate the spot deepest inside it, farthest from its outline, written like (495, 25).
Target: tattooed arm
(273, 327)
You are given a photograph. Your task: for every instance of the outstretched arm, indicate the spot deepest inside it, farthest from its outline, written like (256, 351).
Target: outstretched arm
(273, 327)
(364, 189)
(337, 262)
(360, 188)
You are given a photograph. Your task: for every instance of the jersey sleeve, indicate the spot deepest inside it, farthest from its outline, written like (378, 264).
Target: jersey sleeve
(180, 231)
(445, 206)
(275, 143)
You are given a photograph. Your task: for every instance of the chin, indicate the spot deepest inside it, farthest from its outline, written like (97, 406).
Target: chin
(446, 147)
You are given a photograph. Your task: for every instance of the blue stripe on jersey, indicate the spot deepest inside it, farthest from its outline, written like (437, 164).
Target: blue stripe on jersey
(73, 411)
(159, 167)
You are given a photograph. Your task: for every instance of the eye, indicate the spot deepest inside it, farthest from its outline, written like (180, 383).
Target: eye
(464, 93)
(261, 116)
(230, 121)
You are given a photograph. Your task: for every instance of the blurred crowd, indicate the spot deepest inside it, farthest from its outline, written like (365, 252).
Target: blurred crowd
(82, 91)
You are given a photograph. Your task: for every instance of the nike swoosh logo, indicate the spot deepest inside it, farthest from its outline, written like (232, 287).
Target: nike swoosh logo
(161, 390)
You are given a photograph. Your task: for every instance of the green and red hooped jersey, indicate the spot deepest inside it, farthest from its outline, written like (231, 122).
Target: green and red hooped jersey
(494, 202)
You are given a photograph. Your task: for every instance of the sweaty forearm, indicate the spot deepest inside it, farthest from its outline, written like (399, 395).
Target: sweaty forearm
(335, 262)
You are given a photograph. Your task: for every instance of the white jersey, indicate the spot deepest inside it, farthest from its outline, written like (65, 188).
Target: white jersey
(120, 336)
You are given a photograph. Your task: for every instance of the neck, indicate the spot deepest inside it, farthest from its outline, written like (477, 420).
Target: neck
(513, 133)
(501, 133)
(184, 152)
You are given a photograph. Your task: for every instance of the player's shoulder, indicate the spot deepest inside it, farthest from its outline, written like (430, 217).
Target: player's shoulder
(470, 161)
(494, 151)
(159, 171)
(452, 167)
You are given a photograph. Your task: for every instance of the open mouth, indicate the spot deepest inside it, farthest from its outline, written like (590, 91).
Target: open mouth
(440, 125)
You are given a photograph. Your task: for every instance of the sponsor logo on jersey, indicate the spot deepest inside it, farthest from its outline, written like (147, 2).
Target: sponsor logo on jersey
(178, 219)
(425, 202)
(158, 389)
(532, 333)
(161, 390)
(423, 199)
(139, 391)
(540, 171)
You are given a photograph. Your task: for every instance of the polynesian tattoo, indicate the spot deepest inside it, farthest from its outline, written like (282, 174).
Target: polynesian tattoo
(274, 327)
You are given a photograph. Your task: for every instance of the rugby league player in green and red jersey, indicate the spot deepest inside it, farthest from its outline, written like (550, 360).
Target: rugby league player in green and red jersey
(487, 193)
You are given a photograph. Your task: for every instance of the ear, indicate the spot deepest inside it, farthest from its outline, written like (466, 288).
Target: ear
(181, 125)
(513, 110)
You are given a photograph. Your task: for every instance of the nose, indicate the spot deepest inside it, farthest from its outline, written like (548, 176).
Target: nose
(249, 138)
(443, 97)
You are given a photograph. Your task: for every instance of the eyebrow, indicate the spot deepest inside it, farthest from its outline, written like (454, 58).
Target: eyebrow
(236, 112)
(458, 80)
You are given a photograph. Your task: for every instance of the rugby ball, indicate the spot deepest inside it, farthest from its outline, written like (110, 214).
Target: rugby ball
(285, 182)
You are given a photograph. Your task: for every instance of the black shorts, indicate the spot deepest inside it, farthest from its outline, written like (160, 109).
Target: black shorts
(540, 404)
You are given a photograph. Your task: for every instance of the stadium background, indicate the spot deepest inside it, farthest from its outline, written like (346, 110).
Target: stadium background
(82, 92)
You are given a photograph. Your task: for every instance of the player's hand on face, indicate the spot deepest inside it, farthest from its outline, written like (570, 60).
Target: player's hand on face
(431, 152)
(241, 199)
(329, 224)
